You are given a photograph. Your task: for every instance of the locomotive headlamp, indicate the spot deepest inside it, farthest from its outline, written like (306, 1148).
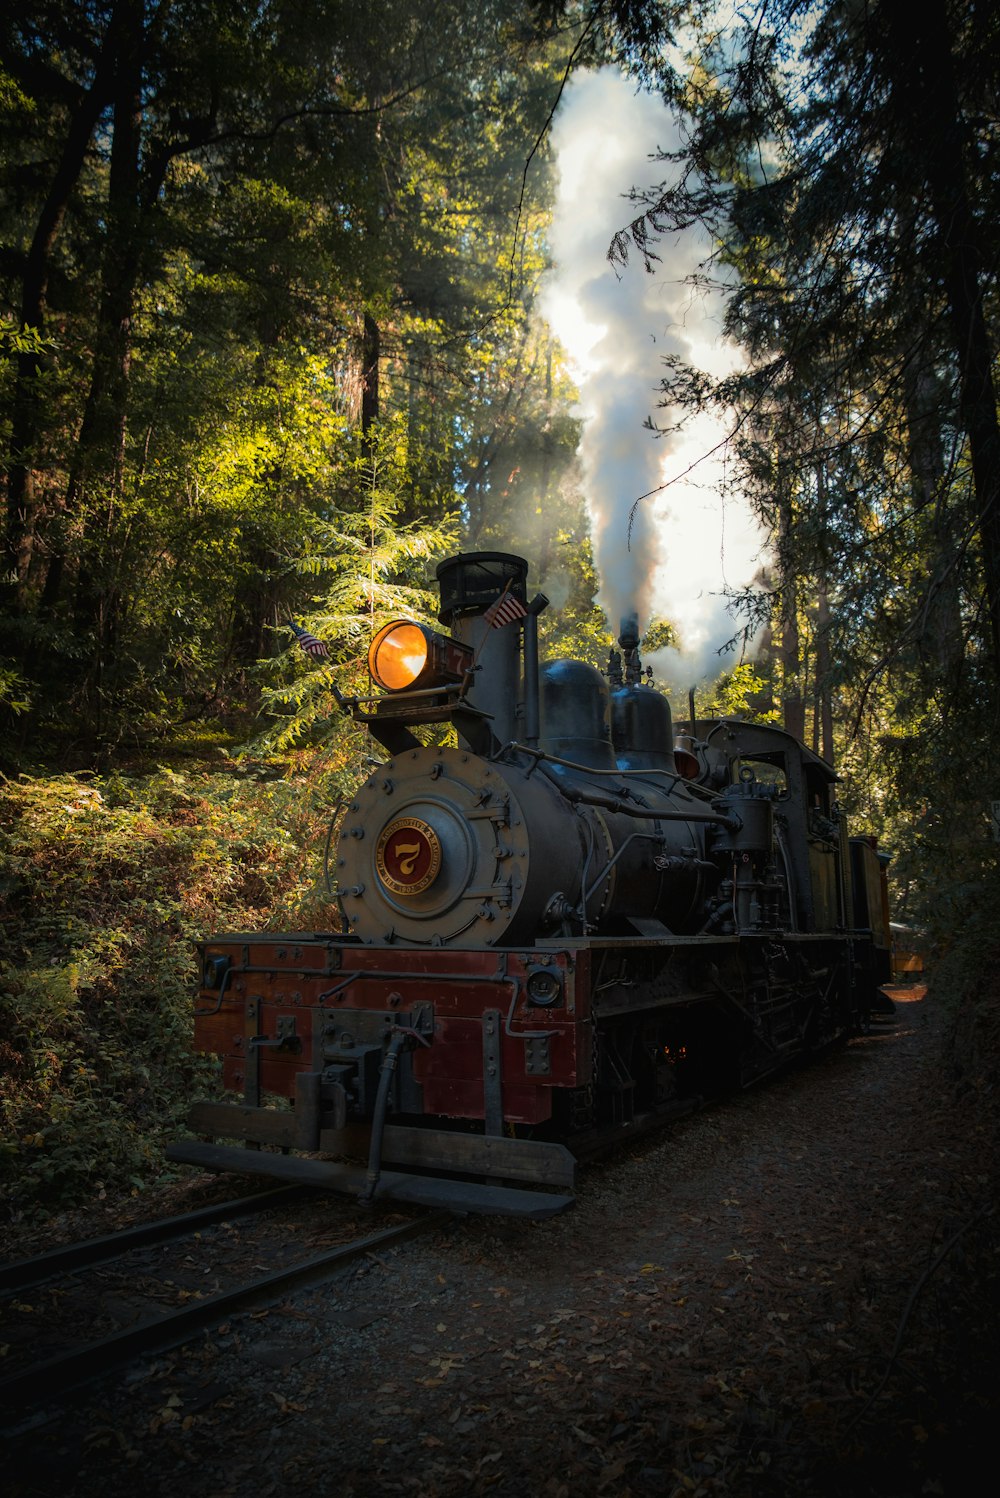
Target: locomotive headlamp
(544, 986)
(405, 655)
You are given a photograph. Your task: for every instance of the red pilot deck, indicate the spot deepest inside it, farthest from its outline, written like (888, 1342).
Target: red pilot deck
(304, 1019)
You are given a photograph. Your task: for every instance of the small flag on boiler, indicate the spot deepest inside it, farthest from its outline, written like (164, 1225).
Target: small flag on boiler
(506, 610)
(309, 643)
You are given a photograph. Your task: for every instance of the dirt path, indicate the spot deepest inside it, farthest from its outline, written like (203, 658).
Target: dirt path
(792, 1293)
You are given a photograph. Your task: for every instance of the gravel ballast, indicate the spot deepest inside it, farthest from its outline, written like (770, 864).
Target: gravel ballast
(792, 1292)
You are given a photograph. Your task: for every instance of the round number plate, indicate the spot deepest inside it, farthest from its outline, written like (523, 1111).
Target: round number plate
(408, 856)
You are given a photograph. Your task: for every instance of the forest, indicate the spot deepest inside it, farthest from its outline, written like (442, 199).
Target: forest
(273, 345)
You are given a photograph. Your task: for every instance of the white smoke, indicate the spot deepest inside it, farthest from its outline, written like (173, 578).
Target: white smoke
(687, 543)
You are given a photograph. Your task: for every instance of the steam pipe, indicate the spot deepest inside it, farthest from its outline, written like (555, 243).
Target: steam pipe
(531, 694)
(396, 1044)
(517, 746)
(574, 794)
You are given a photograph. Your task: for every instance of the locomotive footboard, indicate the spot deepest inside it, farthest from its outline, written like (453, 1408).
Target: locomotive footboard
(495, 1196)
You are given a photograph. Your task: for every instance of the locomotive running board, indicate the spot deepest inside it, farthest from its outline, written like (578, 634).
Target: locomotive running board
(393, 1186)
(529, 1162)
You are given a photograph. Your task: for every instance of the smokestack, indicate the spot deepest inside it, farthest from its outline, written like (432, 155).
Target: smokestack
(469, 583)
(628, 640)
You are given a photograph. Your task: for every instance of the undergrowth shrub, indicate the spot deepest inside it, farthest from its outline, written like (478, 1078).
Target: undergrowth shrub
(106, 884)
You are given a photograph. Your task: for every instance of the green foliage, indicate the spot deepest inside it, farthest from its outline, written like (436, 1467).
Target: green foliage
(13, 691)
(364, 568)
(268, 352)
(304, 191)
(845, 161)
(659, 634)
(107, 884)
(740, 693)
(21, 340)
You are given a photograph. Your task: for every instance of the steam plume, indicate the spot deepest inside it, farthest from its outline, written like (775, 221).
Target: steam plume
(617, 328)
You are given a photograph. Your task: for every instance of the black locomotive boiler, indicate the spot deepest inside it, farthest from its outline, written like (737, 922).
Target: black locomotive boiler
(558, 928)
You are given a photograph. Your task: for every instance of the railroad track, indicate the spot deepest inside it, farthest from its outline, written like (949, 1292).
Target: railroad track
(25, 1274)
(83, 1365)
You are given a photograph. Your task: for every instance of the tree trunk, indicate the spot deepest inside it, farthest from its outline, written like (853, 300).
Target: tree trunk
(824, 706)
(371, 347)
(97, 470)
(941, 637)
(793, 707)
(96, 475)
(34, 299)
(920, 65)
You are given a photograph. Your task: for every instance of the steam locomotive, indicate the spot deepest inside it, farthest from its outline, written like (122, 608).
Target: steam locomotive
(559, 928)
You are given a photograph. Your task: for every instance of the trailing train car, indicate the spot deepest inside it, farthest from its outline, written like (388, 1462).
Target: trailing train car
(909, 944)
(557, 930)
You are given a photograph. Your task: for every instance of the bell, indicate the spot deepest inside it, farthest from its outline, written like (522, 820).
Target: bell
(686, 758)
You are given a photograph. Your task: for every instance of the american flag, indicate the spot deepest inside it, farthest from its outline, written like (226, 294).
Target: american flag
(506, 610)
(309, 643)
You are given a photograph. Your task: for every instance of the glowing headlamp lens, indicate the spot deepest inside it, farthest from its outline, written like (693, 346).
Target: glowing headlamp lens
(398, 654)
(404, 654)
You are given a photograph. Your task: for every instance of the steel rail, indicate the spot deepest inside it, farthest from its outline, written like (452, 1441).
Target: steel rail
(87, 1364)
(24, 1274)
